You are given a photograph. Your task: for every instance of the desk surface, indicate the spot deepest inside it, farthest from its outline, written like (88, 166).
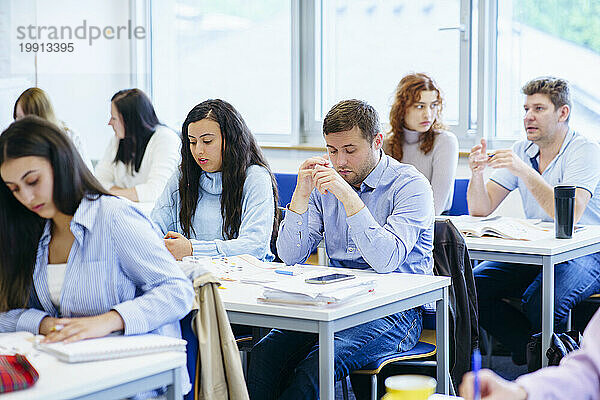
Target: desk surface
(59, 380)
(550, 246)
(389, 288)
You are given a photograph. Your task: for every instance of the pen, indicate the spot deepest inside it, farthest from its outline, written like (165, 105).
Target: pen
(490, 155)
(284, 272)
(476, 368)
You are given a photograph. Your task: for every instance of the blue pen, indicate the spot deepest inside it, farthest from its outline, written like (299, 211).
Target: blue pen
(284, 272)
(476, 368)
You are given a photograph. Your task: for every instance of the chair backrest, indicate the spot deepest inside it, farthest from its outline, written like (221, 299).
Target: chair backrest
(190, 337)
(451, 258)
(459, 199)
(286, 183)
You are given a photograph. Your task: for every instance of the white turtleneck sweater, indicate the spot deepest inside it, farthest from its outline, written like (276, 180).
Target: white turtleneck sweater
(439, 165)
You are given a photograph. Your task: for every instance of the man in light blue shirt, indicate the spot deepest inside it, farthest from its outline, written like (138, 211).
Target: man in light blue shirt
(372, 212)
(553, 154)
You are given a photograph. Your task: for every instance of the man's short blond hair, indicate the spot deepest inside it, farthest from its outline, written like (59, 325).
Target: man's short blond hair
(556, 88)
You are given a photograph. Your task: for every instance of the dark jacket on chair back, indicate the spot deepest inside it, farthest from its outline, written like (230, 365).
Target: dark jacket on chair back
(451, 258)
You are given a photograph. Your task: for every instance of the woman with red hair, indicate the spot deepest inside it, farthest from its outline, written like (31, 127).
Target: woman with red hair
(418, 136)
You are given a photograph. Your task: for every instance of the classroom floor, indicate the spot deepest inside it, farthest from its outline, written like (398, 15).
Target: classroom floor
(504, 367)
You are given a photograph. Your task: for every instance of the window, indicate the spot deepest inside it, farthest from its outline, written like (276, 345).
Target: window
(559, 38)
(283, 64)
(236, 50)
(368, 46)
(275, 60)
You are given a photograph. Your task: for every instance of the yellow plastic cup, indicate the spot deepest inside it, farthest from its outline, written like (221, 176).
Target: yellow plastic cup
(409, 387)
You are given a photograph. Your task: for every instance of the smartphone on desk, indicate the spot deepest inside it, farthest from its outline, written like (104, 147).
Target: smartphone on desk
(331, 278)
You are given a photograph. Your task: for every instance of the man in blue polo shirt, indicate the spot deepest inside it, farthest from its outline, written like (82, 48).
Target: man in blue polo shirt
(372, 212)
(552, 154)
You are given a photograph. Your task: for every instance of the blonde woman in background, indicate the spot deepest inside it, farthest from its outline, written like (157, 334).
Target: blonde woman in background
(419, 138)
(34, 101)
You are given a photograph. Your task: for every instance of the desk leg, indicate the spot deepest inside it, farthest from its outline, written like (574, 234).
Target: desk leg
(442, 337)
(547, 306)
(174, 389)
(326, 367)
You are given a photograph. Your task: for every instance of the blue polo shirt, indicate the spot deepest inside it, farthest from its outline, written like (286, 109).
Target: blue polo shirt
(577, 163)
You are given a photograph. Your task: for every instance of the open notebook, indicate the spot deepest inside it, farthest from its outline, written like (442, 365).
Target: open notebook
(110, 347)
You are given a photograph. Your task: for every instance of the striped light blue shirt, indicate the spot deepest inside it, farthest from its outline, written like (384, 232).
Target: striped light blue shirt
(117, 262)
(394, 232)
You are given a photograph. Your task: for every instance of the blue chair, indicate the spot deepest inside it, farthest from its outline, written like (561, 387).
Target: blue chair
(286, 183)
(191, 348)
(424, 350)
(459, 200)
(187, 333)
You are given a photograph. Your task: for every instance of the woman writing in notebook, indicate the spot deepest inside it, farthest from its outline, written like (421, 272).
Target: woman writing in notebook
(418, 137)
(142, 155)
(71, 260)
(223, 200)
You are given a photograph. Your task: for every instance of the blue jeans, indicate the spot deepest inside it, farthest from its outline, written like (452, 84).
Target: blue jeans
(285, 364)
(574, 281)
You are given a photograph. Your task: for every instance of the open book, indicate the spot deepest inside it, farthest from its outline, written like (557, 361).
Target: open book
(503, 227)
(110, 347)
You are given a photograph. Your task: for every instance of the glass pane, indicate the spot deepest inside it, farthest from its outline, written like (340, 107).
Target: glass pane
(369, 45)
(235, 50)
(548, 37)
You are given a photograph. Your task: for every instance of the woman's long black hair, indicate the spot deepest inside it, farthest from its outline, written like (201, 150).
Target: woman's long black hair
(20, 228)
(139, 121)
(239, 151)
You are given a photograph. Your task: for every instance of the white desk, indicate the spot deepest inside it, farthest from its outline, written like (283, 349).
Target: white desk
(393, 293)
(546, 253)
(110, 379)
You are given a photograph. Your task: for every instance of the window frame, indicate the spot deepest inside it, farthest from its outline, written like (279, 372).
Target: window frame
(307, 24)
(313, 26)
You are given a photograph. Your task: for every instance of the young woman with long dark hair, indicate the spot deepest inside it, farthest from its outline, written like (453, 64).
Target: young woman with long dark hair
(418, 136)
(71, 260)
(223, 201)
(142, 155)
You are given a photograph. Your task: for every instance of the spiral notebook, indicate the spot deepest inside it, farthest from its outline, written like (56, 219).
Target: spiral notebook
(110, 347)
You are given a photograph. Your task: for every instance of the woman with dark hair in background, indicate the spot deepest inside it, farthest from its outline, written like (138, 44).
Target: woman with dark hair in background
(142, 155)
(223, 201)
(71, 259)
(418, 137)
(34, 101)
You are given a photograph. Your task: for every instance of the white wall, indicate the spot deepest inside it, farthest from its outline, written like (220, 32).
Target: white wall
(80, 83)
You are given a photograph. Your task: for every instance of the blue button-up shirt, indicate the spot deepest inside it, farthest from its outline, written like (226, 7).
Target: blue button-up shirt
(394, 232)
(577, 163)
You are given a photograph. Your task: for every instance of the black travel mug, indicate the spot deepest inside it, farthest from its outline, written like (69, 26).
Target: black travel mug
(564, 207)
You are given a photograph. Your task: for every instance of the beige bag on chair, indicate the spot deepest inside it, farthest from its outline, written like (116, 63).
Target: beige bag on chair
(218, 364)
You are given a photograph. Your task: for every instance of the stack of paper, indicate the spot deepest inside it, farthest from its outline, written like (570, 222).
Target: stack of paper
(296, 291)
